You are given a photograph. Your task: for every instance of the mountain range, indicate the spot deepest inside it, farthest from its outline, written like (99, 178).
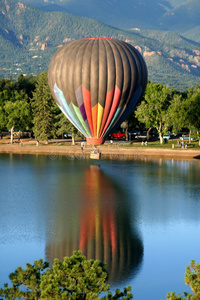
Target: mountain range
(30, 36)
(181, 16)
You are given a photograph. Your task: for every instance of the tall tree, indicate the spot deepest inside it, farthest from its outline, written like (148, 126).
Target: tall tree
(65, 126)
(14, 110)
(74, 279)
(175, 113)
(17, 114)
(185, 112)
(43, 107)
(153, 109)
(191, 112)
(26, 83)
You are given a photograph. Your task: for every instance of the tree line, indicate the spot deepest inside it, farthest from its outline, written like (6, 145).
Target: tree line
(77, 278)
(27, 104)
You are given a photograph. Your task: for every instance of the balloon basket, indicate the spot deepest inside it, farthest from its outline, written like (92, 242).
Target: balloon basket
(95, 141)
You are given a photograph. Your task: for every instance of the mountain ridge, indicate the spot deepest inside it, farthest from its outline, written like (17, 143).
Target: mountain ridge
(30, 37)
(176, 15)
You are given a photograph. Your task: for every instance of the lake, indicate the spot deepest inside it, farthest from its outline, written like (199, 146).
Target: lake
(142, 217)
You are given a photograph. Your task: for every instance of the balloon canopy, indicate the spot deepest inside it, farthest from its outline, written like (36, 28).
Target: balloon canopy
(96, 83)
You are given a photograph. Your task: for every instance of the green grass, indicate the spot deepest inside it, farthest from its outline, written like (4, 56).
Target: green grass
(168, 145)
(153, 144)
(137, 144)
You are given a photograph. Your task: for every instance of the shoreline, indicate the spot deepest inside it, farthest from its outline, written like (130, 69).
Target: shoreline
(107, 152)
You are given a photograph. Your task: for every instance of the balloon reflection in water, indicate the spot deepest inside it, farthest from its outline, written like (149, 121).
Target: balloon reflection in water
(104, 229)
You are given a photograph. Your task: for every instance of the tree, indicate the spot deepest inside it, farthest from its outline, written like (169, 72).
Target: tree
(153, 109)
(26, 83)
(43, 107)
(192, 278)
(185, 112)
(176, 117)
(2, 112)
(75, 278)
(64, 125)
(191, 107)
(29, 278)
(17, 114)
(14, 110)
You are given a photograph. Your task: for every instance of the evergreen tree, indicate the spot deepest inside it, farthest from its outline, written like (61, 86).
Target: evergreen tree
(73, 279)
(192, 278)
(26, 83)
(43, 107)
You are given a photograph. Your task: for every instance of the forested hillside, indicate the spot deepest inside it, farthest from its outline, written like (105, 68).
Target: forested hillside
(29, 38)
(178, 15)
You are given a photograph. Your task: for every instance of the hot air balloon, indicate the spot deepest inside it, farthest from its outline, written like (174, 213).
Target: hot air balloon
(97, 82)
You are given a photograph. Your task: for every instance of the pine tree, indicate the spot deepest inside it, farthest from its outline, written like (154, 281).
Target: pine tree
(192, 278)
(43, 107)
(76, 278)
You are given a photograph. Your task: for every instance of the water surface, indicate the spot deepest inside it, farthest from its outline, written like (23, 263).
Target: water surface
(141, 217)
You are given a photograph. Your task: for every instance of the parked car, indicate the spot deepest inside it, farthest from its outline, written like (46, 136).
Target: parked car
(167, 136)
(133, 135)
(142, 135)
(186, 137)
(67, 135)
(118, 135)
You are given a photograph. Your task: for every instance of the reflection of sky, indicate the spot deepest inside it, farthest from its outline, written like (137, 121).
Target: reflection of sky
(167, 194)
(162, 200)
(164, 189)
(170, 191)
(168, 250)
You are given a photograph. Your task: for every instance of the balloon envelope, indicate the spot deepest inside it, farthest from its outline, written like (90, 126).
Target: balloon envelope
(97, 83)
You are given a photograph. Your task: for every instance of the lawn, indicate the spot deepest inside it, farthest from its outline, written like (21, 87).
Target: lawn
(153, 144)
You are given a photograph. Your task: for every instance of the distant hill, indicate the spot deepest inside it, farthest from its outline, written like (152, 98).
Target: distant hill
(183, 17)
(177, 15)
(29, 37)
(193, 34)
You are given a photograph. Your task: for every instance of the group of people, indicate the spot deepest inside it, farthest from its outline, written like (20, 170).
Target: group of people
(183, 145)
(144, 143)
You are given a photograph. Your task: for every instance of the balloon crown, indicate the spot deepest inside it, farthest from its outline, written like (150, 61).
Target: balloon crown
(98, 38)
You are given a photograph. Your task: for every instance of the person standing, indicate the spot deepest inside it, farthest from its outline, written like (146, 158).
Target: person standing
(82, 145)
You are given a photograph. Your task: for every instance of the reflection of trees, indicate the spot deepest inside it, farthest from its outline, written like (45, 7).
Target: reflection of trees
(102, 230)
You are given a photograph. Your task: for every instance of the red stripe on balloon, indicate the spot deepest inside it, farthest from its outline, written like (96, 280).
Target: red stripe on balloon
(115, 103)
(94, 119)
(108, 103)
(87, 103)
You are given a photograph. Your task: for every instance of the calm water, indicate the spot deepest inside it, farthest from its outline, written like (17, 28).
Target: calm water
(141, 217)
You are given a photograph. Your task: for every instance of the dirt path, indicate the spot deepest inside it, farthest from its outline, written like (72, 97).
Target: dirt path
(114, 152)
